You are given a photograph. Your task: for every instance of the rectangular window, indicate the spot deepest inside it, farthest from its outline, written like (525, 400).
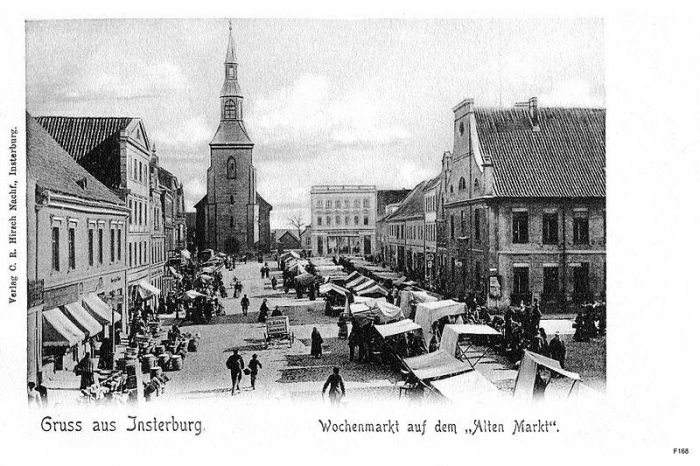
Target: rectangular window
(365, 220)
(463, 223)
(328, 220)
(131, 254)
(112, 245)
(119, 245)
(131, 209)
(337, 220)
(140, 255)
(581, 284)
(319, 241)
(452, 226)
(477, 226)
(319, 221)
(140, 172)
(357, 203)
(357, 220)
(550, 228)
(55, 248)
(329, 204)
(100, 244)
(347, 203)
(521, 280)
(71, 249)
(520, 227)
(91, 247)
(580, 227)
(337, 203)
(365, 203)
(550, 287)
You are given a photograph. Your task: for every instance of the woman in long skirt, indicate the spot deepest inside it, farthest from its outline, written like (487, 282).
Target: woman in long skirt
(316, 342)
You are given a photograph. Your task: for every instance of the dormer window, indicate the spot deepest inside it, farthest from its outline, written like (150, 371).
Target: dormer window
(230, 109)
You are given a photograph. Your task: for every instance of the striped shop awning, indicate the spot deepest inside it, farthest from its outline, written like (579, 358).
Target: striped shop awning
(58, 330)
(82, 319)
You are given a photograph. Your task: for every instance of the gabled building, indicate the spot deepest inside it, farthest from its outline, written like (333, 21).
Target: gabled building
(76, 258)
(524, 204)
(119, 154)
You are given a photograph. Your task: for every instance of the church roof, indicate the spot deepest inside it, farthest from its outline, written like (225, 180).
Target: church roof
(231, 49)
(231, 132)
(262, 201)
(231, 88)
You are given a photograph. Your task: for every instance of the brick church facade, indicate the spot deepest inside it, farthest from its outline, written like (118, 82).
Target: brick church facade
(232, 217)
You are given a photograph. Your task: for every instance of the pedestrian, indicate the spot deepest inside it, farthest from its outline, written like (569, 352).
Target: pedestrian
(353, 342)
(274, 283)
(545, 344)
(235, 364)
(86, 370)
(557, 350)
(276, 312)
(262, 272)
(267, 270)
(316, 341)
(335, 385)
(245, 303)
(262, 316)
(254, 365)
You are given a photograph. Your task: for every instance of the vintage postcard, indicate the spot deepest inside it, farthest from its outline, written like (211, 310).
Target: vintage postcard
(232, 233)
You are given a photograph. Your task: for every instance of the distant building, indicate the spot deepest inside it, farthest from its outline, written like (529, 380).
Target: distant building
(287, 239)
(343, 220)
(230, 216)
(76, 258)
(191, 222)
(264, 244)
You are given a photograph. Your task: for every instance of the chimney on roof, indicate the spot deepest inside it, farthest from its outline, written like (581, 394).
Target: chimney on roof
(534, 113)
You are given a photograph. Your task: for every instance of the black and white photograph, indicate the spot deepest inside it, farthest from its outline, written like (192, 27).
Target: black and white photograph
(290, 235)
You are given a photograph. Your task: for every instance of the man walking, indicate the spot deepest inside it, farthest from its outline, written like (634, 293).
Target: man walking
(254, 365)
(245, 303)
(337, 387)
(235, 364)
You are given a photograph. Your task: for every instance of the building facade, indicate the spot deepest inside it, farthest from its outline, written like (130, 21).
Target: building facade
(231, 214)
(343, 220)
(76, 249)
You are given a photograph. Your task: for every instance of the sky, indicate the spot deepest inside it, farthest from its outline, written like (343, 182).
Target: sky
(325, 101)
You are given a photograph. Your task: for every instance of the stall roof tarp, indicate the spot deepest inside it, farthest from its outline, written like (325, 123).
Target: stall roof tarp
(357, 281)
(396, 328)
(192, 294)
(468, 386)
(304, 279)
(365, 284)
(376, 308)
(525, 381)
(82, 318)
(352, 276)
(436, 365)
(328, 287)
(146, 290)
(451, 333)
(429, 312)
(374, 289)
(100, 309)
(406, 296)
(58, 330)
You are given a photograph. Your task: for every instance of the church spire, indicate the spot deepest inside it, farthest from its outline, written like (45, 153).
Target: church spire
(231, 129)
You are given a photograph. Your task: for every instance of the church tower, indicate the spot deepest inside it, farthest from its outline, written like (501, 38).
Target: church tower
(232, 213)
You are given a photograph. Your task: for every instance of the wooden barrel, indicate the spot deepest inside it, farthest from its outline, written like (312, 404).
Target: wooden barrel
(156, 371)
(147, 363)
(163, 360)
(176, 363)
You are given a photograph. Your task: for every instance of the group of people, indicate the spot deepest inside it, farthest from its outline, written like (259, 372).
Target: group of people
(585, 322)
(237, 366)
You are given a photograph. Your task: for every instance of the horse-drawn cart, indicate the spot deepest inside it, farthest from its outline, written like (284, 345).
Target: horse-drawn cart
(278, 329)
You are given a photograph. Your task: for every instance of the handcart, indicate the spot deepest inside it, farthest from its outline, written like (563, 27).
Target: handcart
(278, 329)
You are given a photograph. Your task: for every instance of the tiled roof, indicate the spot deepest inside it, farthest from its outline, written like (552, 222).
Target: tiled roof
(165, 178)
(54, 169)
(412, 206)
(92, 142)
(81, 135)
(565, 158)
(231, 132)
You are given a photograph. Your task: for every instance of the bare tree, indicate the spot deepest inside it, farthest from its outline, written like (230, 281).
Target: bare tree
(297, 221)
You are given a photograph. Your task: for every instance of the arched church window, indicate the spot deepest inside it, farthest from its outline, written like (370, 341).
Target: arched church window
(231, 199)
(231, 168)
(462, 184)
(230, 222)
(230, 109)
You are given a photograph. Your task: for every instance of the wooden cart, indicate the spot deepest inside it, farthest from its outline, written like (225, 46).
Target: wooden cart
(277, 329)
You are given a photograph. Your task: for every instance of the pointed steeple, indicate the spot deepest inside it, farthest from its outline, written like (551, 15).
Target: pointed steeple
(231, 50)
(231, 129)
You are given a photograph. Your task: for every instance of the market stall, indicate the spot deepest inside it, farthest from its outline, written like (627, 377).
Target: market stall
(530, 381)
(450, 341)
(429, 312)
(435, 365)
(374, 290)
(409, 299)
(327, 288)
(146, 290)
